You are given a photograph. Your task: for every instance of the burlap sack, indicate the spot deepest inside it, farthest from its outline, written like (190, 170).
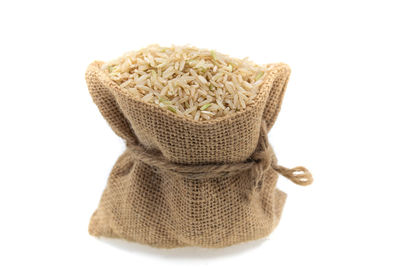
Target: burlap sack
(191, 183)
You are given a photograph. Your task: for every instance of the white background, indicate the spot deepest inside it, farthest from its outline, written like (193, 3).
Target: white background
(340, 119)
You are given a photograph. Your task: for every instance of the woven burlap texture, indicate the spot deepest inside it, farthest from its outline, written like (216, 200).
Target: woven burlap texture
(167, 209)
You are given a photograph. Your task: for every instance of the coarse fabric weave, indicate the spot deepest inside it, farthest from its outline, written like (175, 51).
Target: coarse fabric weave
(163, 208)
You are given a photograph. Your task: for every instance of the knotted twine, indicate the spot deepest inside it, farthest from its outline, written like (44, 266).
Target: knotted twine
(260, 162)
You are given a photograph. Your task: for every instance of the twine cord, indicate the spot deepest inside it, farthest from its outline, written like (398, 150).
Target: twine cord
(261, 161)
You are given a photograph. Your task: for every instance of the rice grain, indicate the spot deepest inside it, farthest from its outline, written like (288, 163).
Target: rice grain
(196, 83)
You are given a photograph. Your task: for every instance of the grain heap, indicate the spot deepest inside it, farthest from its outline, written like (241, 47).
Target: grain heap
(195, 83)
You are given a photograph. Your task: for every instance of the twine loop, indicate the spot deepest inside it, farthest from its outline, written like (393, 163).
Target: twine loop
(261, 161)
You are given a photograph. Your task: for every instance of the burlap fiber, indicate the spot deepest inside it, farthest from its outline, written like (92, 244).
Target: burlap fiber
(163, 208)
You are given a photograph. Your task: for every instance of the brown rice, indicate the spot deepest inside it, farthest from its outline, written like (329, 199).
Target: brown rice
(195, 83)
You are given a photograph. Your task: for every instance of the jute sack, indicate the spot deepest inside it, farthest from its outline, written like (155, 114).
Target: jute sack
(182, 182)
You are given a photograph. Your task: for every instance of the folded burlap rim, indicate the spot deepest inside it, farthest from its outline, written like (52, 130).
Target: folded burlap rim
(260, 162)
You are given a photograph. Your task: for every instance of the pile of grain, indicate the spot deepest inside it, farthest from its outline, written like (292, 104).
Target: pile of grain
(195, 83)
